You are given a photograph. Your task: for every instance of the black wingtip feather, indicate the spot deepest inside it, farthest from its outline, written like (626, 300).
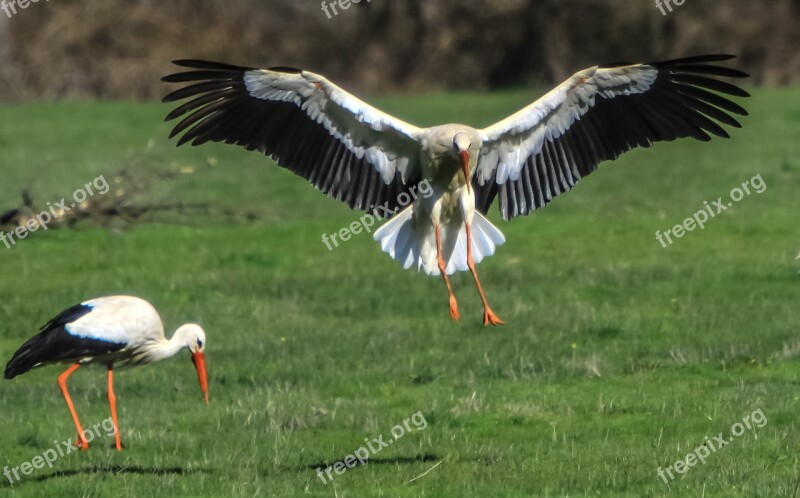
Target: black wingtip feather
(710, 69)
(35, 349)
(710, 84)
(286, 69)
(688, 98)
(212, 65)
(696, 59)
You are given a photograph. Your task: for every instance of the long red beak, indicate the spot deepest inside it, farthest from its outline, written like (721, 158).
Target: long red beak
(465, 165)
(199, 360)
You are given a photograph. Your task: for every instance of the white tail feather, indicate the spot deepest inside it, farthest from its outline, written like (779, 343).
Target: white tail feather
(412, 243)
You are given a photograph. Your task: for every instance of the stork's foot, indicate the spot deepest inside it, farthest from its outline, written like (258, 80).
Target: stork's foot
(489, 318)
(454, 314)
(81, 443)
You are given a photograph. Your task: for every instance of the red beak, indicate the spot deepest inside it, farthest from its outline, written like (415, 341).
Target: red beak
(465, 165)
(199, 360)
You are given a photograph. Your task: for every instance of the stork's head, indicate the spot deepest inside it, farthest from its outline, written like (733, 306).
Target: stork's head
(461, 142)
(195, 337)
(461, 145)
(195, 340)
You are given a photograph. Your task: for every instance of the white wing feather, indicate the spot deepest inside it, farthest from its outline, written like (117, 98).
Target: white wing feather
(509, 143)
(388, 143)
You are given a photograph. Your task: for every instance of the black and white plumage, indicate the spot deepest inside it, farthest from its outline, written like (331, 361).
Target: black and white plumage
(115, 331)
(344, 147)
(54, 344)
(364, 157)
(596, 115)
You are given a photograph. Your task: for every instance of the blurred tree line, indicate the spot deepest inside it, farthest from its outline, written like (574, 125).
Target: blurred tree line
(121, 48)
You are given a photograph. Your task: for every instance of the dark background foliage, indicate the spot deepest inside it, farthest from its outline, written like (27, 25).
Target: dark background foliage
(120, 48)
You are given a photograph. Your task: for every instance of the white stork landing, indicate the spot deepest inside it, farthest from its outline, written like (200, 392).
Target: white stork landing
(369, 160)
(118, 331)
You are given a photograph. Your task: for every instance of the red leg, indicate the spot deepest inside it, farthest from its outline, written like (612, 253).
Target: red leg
(112, 401)
(453, 303)
(62, 383)
(488, 315)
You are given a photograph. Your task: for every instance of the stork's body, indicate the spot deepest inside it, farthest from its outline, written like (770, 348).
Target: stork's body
(436, 232)
(116, 332)
(366, 158)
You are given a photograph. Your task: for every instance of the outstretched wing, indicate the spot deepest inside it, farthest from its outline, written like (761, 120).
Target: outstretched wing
(342, 145)
(596, 115)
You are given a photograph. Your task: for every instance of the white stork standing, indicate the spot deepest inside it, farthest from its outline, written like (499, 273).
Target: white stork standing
(368, 159)
(116, 331)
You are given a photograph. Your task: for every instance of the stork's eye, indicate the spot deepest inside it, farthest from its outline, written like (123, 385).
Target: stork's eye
(199, 343)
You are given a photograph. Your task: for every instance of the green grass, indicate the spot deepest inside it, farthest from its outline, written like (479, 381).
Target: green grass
(619, 356)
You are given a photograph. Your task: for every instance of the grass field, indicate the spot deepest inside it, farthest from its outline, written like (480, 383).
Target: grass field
(619, 356)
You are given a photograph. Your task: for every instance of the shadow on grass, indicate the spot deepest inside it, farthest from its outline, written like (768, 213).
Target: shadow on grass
(113, 469)
(427, 457)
